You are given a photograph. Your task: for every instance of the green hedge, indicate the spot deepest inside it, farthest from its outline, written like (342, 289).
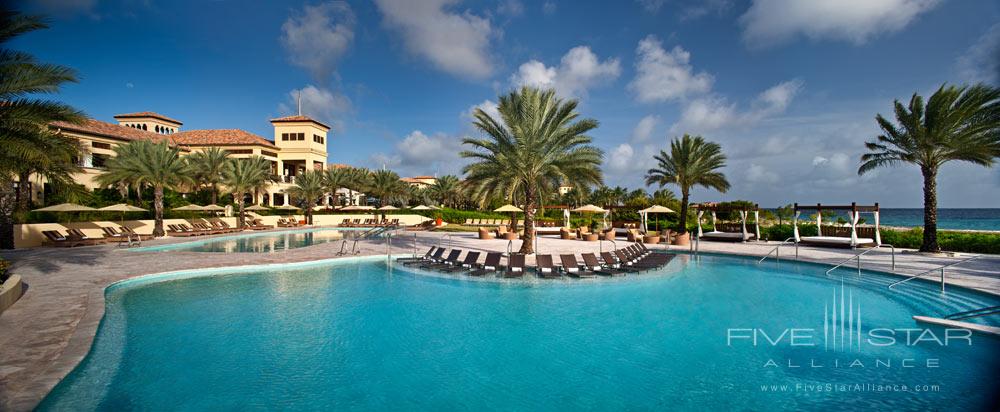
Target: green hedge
(910, 239)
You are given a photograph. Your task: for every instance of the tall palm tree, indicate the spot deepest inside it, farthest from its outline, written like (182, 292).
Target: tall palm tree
(154, 164)
(207, 166)
(602, 196)
(538, 144)
(309, 187)
(958, 123)
(446, 189)
(692, 161)
(24, 120)
(386, 186)
(244, 176)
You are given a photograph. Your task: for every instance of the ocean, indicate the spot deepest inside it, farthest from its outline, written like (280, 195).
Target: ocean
(971, 219)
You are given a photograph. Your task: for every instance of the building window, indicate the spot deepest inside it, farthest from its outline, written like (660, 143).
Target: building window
(267, 153)
(143, 127)
(300, 137)
(284, 136)
(99, 145)
(318, 139)
(98, 161)
(239, 151)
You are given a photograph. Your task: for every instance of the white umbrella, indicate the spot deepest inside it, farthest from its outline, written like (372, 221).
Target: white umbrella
(121, 207)
(388, 207)
(421, 207)
(213, 208)
(593, 209)
(256, 208)
(352, 208)
(653, 209)
(191, 208)
(513, 218)
(65, 207)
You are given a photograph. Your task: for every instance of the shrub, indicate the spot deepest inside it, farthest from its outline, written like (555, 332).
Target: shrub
(4, 270)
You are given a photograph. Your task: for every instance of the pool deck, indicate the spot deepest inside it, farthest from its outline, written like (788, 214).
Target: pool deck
(51, 328)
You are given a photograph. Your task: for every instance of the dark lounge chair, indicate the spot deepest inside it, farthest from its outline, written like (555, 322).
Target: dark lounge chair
(58, 239)
(592, 264)
(572, 267)
(491, 265)
(515, 266)
(544, 267)
(470, 260)
(432, 258)
(418, 258)
(448, 261)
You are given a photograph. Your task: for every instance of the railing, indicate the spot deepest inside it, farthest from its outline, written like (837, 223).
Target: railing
(388, 247)
(859, 255)
(441, 239)
(777, 254)
(975, 313)
(939, 268)
(510, 246)
(600, 244)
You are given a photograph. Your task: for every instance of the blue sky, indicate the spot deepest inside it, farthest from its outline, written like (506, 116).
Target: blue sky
(789, 88)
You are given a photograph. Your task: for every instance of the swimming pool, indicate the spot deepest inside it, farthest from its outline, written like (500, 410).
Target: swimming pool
(264, 242)
(363, 335)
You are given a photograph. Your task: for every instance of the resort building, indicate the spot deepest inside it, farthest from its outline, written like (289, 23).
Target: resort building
(421, 182)
(299, 144)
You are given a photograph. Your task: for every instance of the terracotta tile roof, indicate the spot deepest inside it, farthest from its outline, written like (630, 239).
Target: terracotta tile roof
(298, 118)
(147, 114)
(110, 130)
(219, 137)
(424, 177)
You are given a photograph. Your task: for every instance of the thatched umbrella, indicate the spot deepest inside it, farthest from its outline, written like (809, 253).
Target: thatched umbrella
(65, 208)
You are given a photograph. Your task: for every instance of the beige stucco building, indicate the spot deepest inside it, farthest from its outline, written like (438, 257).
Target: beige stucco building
(299, 144)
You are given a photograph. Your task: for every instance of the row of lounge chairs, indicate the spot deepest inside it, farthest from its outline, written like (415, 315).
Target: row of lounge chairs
(489, 222)
(76, 237)
(290, 222)
(256, 224)
(200, 229)
(632, 259)
(368, 222)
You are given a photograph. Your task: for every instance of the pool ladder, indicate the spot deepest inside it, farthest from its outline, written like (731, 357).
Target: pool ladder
(865, 252)
(777, 253)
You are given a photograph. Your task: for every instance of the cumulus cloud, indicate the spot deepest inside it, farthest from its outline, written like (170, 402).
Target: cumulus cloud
(981, 62)
(759, 174)
(549, 7)
(319, 103)
(318, 37)
(422, 154)
(651, 6)
(578, 70)
(457, 43)
(771, 22)
(488, 106)
(644, 129)
(666, 75)
(713, 112)
(511, 8)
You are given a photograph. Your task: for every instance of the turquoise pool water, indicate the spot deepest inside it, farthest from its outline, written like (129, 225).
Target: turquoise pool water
(363, 336)
(264, 242)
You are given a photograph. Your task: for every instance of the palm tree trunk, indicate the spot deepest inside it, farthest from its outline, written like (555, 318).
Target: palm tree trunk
(930, 210)
(528, 240)
(158, 211)
(239, 205)
(309, 212)
(23, 192)
(684, 212)
(215, 194)
(6, 213)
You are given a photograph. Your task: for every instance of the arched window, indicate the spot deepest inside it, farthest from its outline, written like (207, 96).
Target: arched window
(143, 127)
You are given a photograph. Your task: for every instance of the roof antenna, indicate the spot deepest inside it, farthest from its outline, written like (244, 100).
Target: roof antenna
(298, 100)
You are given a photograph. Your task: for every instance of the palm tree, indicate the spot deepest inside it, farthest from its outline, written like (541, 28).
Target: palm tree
(602, 196)
(207, 166)
(24, 120)
(154, 164)
(309, 187)
(386, 186)
(537, 145)
(958, 123)
(664, 196)
(446, 189)
(57, 166)
(692, 162)
(244, 176)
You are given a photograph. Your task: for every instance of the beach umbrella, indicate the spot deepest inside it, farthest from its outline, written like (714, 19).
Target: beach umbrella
(421, 207)
(121, 207)
(388, 207)
(591, 209)
(213, 208)
(354, 208)
(286, 207)
(190, 208)
(65, 207)
(257, 208)
(512, 209)
(653, 209)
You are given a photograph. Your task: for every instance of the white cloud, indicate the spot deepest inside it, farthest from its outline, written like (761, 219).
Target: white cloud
(645, 128)
(457, 43)
(620, 158)
(981, 62)
(713, 112)
(759, 174)
(319, 103)
(578, 70)
(549, 7)
(420, 154)
(702, 8)
(488, 106)
(317, 38)
(511, 8)
(772, 22)
(663, 75)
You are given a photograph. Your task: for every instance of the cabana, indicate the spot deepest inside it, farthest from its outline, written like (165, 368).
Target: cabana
(839, 236)
(729, 232)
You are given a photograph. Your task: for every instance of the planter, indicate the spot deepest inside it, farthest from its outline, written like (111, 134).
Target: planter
(510, 236)
(682, 239)
(591, 237)
(651, 239)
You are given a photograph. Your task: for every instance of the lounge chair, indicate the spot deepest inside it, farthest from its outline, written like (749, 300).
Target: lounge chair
(432, 258)
(572, 267)
(58, 239)
(418, 258)
(544, 267)
(592, 264)
(76, 234)
(468, 263)
(468, 222)
(515, 266)
(448, 261)
(132, 232)
(611, 261)
(491, 265)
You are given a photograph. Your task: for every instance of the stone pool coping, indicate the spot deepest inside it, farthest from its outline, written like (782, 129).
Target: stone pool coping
(56, 320)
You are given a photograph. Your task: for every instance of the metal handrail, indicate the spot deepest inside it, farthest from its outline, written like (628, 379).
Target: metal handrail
(975, 313)
(776, 253)
(859, 255)
(510, 246)
(941, 268)
(600, 245)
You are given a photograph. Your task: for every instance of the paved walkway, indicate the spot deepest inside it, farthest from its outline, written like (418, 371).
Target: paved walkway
(48, 331)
